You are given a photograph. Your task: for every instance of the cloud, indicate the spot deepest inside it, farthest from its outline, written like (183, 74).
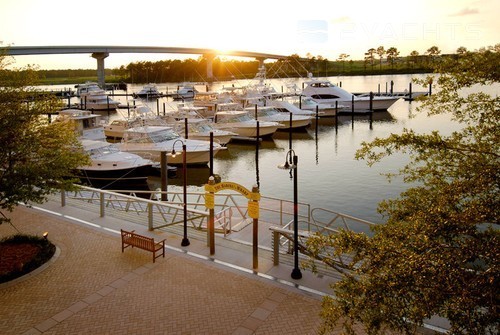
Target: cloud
(312, 31)
(466, 11)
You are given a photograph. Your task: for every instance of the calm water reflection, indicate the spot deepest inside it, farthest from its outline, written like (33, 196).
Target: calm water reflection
(328, 174)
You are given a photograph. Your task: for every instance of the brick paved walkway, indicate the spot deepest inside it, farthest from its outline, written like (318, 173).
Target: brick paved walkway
(93, 288)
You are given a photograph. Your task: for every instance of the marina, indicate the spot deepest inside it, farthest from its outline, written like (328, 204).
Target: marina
(325, 148)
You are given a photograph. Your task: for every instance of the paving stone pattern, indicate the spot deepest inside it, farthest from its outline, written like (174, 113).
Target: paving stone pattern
(94, 288)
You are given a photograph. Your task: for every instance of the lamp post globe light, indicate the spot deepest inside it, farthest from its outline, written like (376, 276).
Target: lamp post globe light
(185, 241)
(291, 164)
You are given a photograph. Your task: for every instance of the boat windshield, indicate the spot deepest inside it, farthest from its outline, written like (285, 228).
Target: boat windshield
(151, 137)
(239, 118)
(308, 102)
(322, 84)
(102, 151)
(202, 127)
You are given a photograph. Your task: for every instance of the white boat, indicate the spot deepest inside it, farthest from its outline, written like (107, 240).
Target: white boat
(325, 110)
(148, 91)
(269, 113)
(113, 169)
(87, 125)
(288, 107)
(213, 102)
(150, 141)
(199, 127)
(89, 86)
(138, 114)
(324, 92)
(241, 123)
(92, 97)
(116, 128)
(186, 91)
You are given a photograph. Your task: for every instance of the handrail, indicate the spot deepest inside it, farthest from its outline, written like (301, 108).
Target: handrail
(229, 207)
(336, 221)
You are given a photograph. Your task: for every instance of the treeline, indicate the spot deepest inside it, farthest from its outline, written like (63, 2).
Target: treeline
(377, 61)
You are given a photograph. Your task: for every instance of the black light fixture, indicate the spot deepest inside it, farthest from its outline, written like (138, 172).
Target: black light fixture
(185, 241)
(291, 164)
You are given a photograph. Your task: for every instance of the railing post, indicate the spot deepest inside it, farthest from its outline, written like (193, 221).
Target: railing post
(150, 216)
(276, 247)
(281, 213)
(101, 203)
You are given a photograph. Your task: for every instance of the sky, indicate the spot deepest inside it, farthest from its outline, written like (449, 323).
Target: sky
(324, 28)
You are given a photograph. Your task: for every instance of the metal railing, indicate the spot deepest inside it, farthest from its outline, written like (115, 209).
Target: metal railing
(323, 221)
(231, 210)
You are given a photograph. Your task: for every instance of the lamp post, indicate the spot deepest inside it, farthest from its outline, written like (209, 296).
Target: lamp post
(185, 240)
(291, 164)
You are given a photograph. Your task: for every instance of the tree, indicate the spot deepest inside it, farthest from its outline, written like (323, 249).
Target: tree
(438, 252)
(36, 158)
(433, 52)
(342, 58)
(381, 52)
(461, 50)
(370, 56)
(414, 57)
(392, 55)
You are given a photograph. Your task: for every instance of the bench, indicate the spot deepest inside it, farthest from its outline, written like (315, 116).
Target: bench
(130, 238)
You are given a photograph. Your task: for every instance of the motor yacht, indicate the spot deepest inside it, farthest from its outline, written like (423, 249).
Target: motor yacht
(324, 110)
(139, 115)
(87, 125)
(269, 113)
(185, 91)
(241, 123)
(324, 92)
(113, 169)
(148, 91)
(149, 141)
(288, 107)
(92, 97)
(116, 128)
(199, 127)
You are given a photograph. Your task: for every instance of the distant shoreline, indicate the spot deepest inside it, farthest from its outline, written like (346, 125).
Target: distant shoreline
(118, 79)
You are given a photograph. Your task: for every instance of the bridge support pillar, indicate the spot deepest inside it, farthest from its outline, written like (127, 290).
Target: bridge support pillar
(210, 72)
(261, 61)
(99, 56)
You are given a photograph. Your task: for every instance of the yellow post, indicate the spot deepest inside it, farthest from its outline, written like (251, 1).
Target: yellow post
(253, 212)
(210, 204)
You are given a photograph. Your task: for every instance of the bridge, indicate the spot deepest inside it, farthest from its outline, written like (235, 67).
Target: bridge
(101, 52)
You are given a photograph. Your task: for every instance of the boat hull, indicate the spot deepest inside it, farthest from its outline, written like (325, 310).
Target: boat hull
(130, 178)
(250, 131)
(380, 104)
(192, 157)
(221, 139)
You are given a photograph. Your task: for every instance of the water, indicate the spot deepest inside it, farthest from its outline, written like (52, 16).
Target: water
(329, 176)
